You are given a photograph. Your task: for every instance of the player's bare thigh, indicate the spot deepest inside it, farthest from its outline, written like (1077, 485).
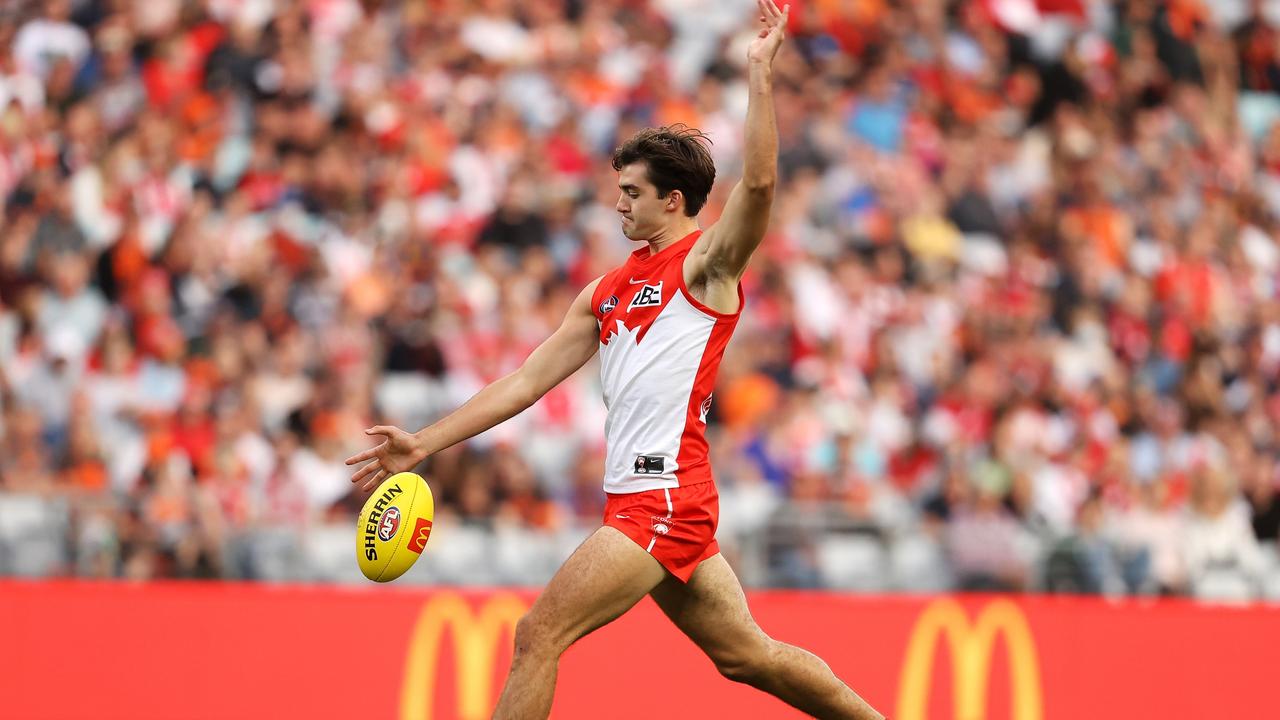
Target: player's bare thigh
(602, 579)
(712, 610)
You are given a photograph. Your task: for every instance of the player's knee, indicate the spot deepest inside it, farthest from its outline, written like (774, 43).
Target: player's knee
(746, 669)
(533, 636)
(747, 665)
(536, 634)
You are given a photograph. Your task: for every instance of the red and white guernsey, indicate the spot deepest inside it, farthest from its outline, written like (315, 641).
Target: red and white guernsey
(660, 349)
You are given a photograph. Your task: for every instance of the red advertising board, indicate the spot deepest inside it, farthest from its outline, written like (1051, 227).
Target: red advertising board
(91, 650)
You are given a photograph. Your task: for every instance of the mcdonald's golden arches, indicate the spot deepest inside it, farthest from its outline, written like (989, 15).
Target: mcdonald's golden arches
(971, 648)
(476, 638)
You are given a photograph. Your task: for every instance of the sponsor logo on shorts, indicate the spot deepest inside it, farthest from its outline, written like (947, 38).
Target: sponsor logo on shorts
(662, 525)
(390, 524)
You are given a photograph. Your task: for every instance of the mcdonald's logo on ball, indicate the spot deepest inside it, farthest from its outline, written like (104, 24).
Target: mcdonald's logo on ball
(971, 644)
(421, 533)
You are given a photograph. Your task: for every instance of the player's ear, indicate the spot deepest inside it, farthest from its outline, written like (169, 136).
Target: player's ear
(674, 198)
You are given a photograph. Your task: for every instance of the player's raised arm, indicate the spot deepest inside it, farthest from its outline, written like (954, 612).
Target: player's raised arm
(558, 357)
(723, 251)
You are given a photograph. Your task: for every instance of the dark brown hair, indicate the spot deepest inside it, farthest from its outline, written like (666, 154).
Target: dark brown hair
(676, 158)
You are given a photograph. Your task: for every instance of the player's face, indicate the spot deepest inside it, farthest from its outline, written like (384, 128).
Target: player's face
(644, 214)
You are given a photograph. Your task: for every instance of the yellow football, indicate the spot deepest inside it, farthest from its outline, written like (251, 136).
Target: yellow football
(394, 526)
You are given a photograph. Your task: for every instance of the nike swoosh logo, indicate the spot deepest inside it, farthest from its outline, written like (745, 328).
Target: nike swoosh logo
(623, 517)
(637, 282)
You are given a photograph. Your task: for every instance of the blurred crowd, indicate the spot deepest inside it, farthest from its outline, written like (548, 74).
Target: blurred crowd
(1016, 325)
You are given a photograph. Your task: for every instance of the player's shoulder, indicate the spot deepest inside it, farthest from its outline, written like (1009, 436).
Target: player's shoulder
(591, 292)
(610, 278)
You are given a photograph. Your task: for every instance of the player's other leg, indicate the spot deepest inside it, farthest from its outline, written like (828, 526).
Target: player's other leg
(602, 579)
(712, 610)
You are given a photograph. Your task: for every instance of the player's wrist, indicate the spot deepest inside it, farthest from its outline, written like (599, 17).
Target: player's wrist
(760, 73)
(422, 447)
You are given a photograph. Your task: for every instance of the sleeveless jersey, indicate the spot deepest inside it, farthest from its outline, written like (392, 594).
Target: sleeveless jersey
(660, 349)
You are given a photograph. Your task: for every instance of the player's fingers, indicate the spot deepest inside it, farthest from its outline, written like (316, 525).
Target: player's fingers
(363, 455)
(373, 481)
(380, 430)
(779, 25)
(768, 12)
(365, 471)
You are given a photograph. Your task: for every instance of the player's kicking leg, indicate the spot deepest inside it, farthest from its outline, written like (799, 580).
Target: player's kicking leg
(601, 580)
(712, 610)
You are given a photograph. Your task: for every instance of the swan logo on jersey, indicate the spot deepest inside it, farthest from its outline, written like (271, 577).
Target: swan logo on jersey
(649, 296)
(607, 306)
(706, 408)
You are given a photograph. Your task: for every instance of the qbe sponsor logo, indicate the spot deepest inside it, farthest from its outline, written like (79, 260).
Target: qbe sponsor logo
(649, 296)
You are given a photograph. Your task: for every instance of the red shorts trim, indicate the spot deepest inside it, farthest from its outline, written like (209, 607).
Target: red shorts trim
(677, 526)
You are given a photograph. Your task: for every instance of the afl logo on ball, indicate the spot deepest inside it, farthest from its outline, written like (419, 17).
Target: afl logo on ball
(608, 305)
(390, 523)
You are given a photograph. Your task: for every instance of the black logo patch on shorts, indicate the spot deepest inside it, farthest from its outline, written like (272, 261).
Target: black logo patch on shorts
(650, 465)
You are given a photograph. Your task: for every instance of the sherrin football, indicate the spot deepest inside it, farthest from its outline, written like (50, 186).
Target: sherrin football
(394, 526)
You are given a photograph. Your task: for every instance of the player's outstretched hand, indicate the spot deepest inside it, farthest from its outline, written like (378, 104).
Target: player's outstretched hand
(398, 452)
(773, 31)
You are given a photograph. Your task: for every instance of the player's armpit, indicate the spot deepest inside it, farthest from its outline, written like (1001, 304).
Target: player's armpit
(568, 348)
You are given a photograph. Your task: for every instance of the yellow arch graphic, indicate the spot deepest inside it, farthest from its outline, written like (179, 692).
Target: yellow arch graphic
(475, 643)
(971, 650)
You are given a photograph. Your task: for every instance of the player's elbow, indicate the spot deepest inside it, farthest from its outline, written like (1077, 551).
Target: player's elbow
(761, 185)
(525, 388)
